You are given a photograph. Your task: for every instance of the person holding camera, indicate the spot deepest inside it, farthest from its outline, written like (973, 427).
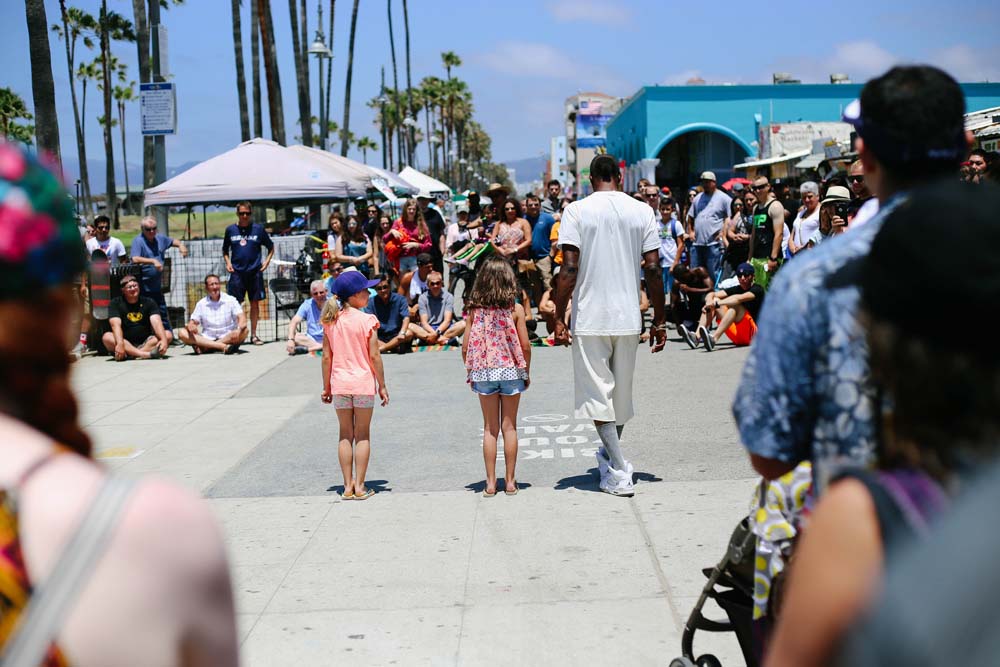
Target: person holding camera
(832, 215)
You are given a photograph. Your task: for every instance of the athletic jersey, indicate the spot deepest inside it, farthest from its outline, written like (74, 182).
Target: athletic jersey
(763, 235)
(243, 246)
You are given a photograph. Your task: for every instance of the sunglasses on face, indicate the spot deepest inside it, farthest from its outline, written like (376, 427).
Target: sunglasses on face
(381, 288)
(856, 179)
(103, 228)
(149, 229)
(242, 213)
(758, 188)
(336, 269)
(436, 283)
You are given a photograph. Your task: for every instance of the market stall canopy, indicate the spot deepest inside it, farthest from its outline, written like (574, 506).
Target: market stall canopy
(424, 182)
(260, 171)
(395, 182)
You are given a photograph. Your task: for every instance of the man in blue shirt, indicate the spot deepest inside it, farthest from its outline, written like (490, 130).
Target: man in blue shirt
(807, 393)
(308, 312)
(148, 250)
(241, 249)
(541, 246)
(706, 218)
(393, 313)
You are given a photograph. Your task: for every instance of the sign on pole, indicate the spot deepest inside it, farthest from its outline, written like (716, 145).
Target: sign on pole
(158, 108)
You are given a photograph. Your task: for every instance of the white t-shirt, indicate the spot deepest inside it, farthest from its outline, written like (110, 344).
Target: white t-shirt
(113, 248)
(217, 318)
(805, 226)
(417, 285)
(612, 231)
(669, 231)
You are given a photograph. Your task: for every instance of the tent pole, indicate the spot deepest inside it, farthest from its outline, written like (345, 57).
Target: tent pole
(188, 237)
(204, 219)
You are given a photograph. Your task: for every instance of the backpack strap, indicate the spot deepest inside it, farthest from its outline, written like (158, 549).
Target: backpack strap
(51, 602)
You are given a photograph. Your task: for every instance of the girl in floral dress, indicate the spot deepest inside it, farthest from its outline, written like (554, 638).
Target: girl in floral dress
(497, 356)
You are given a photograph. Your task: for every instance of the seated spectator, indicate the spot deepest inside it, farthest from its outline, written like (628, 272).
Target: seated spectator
(832, 215)
(939, 433)
(436, 310)
(221, 318)
(136, 328)
(393, 317)
(735, 309)
(308, 312)
(688, 298)
(414, 283)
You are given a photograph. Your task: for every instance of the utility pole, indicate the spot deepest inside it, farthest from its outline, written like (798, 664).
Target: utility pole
(159, 141)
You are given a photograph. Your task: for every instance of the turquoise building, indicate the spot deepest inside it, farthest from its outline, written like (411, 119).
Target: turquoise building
(670, 134)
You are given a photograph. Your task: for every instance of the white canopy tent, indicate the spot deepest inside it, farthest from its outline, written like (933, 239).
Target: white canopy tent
(260, 171)
(376, 177)
(425, 182)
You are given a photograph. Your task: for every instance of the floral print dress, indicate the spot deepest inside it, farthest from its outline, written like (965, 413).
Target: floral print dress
(494, 353)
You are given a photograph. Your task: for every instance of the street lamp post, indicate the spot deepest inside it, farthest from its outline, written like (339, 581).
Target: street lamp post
(318, 49)
(461, 176)
(410, 124)
(435, 140)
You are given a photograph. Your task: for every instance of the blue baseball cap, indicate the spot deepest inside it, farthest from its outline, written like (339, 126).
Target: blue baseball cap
(350, 283)
(745, 269)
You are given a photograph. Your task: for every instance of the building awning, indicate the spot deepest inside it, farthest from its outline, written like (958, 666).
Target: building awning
(811, 161)
(774, 160)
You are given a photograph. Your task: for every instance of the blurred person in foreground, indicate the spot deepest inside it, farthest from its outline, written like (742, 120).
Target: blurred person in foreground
(149, 597)
(941, 431)
(809, 361)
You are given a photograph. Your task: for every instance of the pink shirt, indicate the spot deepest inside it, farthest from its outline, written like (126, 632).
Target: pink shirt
(351, 369)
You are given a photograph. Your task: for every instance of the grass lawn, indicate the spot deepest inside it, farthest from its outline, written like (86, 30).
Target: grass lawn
(217, 221)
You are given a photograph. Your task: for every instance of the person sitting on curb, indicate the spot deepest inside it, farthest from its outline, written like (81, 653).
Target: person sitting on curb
(312, 340)
(136, 327)
(734, 308)
(221, 318)
(436, 309)
(414, 283)
(393, 318)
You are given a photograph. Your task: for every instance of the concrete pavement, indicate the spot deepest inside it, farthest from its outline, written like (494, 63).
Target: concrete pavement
(428, 571)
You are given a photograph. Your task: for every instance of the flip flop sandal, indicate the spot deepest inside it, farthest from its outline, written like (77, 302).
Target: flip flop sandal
(487, 494)
(256, 340)
(366, 495)
(511, 492)
(347, 496)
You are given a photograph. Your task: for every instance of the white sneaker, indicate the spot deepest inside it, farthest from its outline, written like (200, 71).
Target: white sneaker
(618, 483)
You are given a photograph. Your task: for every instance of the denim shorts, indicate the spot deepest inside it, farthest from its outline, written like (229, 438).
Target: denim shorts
(503, 387)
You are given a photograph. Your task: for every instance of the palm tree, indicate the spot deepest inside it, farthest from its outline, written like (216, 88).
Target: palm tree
(87, 72)
(301, 74)
(366, 144)
(411, 110)
(258, 113)
(274, 105)
(122, 95)
(43, 90)
(13, 109)
(350, 71)
(111, 26)
(430, 91)
(241, 82)
(449, 59)
(76, 24)
(395, 81)
(329, 65)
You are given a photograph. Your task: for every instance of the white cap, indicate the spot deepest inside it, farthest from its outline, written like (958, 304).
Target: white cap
(708, 176)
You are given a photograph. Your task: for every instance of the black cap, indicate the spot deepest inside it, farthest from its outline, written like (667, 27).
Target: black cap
(909, 282)
(424, 258)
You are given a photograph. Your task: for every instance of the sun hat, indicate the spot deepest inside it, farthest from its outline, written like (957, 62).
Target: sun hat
(40, 244)
(836, 193)
(496, 187)
(350, 283)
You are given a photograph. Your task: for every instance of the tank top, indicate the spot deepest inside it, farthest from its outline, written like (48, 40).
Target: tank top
(355, 248)
(763, 235)
(494, 352)
(351, 369)
(15, 587)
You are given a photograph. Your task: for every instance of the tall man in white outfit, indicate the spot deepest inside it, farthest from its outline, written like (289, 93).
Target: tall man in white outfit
(603, 239)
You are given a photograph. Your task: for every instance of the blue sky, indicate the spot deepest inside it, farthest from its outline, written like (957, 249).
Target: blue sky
(522, 58)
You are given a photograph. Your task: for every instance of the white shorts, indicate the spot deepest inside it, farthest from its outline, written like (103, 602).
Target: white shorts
(603, 367)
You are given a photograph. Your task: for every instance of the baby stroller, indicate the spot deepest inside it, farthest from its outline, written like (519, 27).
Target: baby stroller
(730, 584)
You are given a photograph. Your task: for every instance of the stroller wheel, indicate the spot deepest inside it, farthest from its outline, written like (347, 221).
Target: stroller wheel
(707, 660)
(681, 662)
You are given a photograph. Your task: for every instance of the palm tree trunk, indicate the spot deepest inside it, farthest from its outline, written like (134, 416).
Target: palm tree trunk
(304, 59)
(301, 84)
(109, 154)
(258, 113)
(81, 145)
(43, 90)
(274, 106)
(430, 144)
(145, 76)
(350, 70)
(395, 84)
(121, 124)
(410, 130)
(329, 71)
(241, 81)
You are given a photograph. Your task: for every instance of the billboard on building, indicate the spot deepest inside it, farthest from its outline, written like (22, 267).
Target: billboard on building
(591, 124)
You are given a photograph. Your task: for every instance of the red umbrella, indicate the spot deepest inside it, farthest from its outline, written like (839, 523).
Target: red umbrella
(728, 185)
